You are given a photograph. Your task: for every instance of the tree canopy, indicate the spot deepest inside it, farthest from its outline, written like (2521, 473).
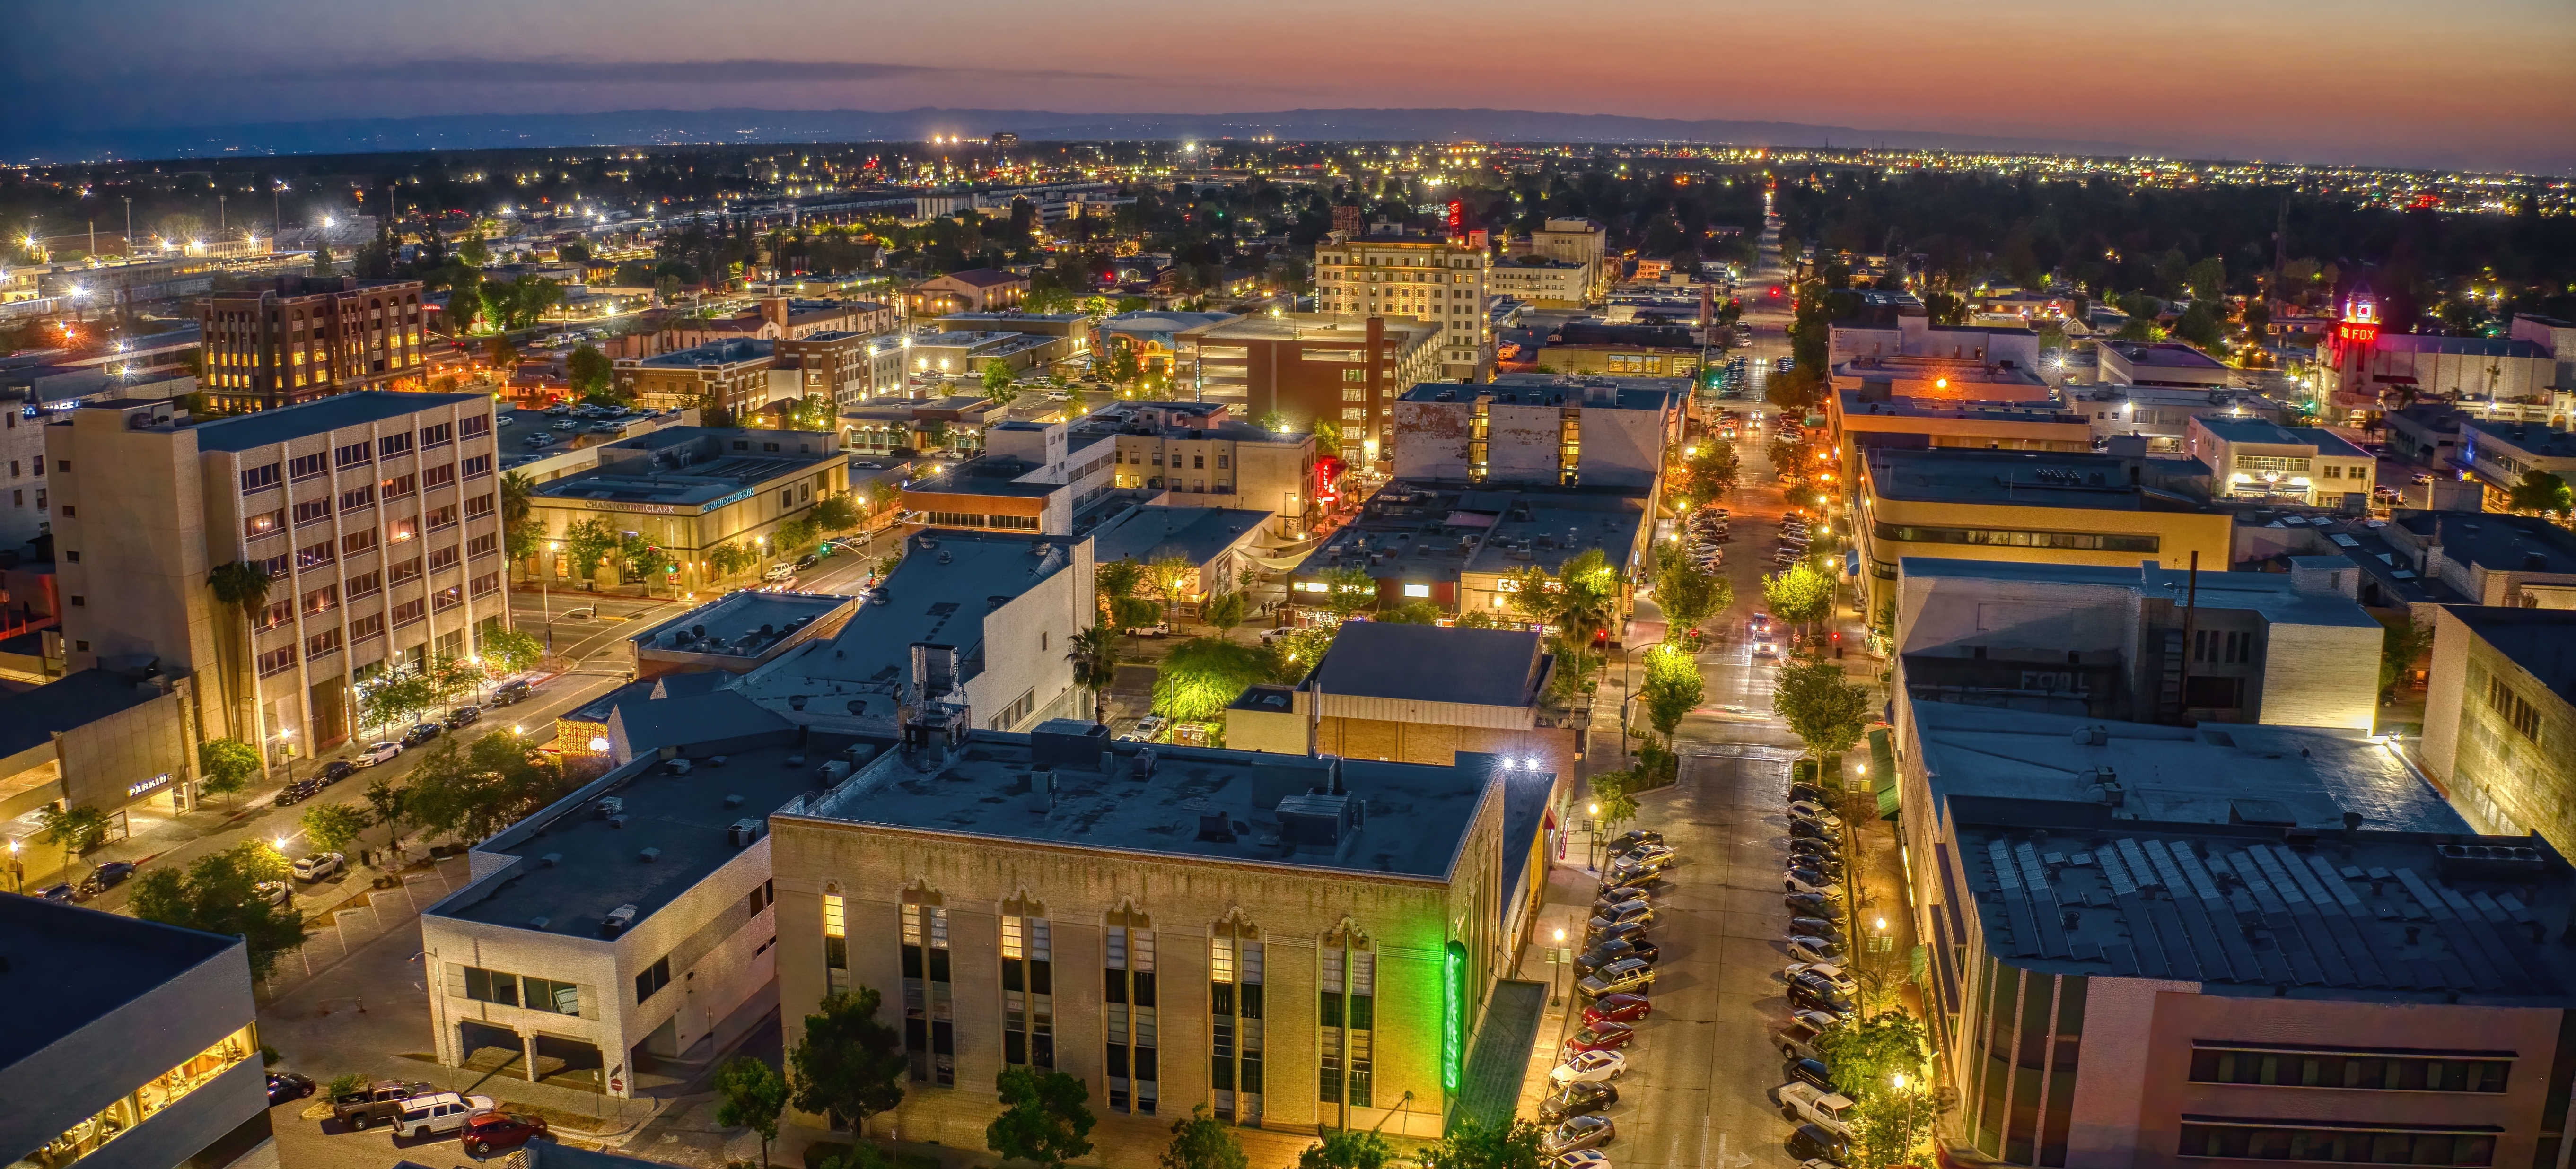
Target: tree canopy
(219, 894)
(848, 1064)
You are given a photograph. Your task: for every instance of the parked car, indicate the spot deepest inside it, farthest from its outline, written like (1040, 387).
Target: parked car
(375, 1103)
(1807, 998)
(1576, 1099)
(61, 892)
(489, 1132)
(1602, 1037)
(1813, 949)
(277, 893)
(337, 770)
(1818, 1106)
(1797, 1040)
(1830, 975)
(1588, 1066)
(421, 733)
(313, 866)
(108, 875)
(1634, 837)
(1811, 810)
(1613, 950)
(375, 753)
(1612, 894)
(298, 792)
(1812, 846)
(1578, 1132)
(1617, 1008)
(1811, 1143)
(1809, 830)
(1631, 930)
(510, 693)
(437, 1112)
(1155, 630)
(1808, 904)
(285, 1086)
(1623, 913)
(1822, 862)
(1813, 1072)
(1655, 856)
(779, 571)
(463, 716)
(1806, 881)
(1803, 790)
(1581, 1159)
(1815, 927)
(1628, 974)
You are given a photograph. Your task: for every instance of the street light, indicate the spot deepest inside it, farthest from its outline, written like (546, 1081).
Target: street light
(545, 599)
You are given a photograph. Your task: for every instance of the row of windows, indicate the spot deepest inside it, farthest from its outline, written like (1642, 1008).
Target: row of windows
(512, 990)
(2522, 716)
(965, 519)
(2383, 1073)
(360, 453)
(2014, 538)
(2362, 1147)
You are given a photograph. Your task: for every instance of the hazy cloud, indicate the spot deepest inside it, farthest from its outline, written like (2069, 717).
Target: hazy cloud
(559, 71)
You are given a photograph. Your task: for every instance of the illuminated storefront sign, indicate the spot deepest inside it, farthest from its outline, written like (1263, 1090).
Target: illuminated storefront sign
(1453, 1015)
(137, 789)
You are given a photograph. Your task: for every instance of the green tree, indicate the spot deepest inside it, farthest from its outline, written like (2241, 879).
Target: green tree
(2401, 644)
(1116, 580)
(1095, 665)
(1347, 1148)
(849, 1065)
(503, 355)
(836, 513)
(1613, 796)
(1328, 438)
(1223, 610)
(750, 1094)
(468, 792)
(1472, 1144)
(1293, 656)
(219, 894)
(1123, 369)
(1201, 1141)
(1687, 593)
(1274, 422)
(1044, 1119)
(330, 826)
(590, 371)
(322, 257)
(1169, 578)
(75, 829)
(586, 545)
(1822, 708)
(1204, 675)
(2541, 492)
(390, 806)
(999, 384)
(1416, 612)
(1867, 1055)
(1348, 589)
(511, 651)
(227, 765)
(242, 587)
(1891, 1126)
(1673, 688)
(391, 699)
(1801, 595)
(1712, 471)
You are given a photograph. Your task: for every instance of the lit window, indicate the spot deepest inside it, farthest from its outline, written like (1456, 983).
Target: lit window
(1417, 590)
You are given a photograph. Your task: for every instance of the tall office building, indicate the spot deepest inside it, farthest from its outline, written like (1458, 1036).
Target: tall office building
(1425, 278)
(293, 339)
(375, 515)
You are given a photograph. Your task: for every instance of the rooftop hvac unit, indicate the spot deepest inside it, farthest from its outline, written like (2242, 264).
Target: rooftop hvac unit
(742, 833)
(617, 920)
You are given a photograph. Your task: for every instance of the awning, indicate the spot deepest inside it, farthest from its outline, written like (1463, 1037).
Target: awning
(1882, 770)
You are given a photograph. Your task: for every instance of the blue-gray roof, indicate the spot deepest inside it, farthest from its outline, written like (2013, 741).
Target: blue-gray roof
(32, 718)
(1433, 663)
(267, 427)
(82, 964)
(1152, 532)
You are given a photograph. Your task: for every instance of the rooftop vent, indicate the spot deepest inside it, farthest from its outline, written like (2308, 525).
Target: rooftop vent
(733, 801)
(649, 855)
(617, 920)
(1215, 827)
(550, 860)
(610, 807)
(742, 833)
(539, 924)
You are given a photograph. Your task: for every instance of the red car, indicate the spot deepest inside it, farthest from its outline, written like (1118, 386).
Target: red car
(1601, 1037)
(490, 1131)
(1616, 1008)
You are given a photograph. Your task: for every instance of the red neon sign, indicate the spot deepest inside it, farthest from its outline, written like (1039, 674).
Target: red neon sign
(1457, 219)
(2356, 333)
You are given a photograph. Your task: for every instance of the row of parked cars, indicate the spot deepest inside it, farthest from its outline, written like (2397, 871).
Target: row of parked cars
(1793, 540)
(416, 1110)
(1614, 972)
(1820, 992)
(384, 752)
(1703, 537)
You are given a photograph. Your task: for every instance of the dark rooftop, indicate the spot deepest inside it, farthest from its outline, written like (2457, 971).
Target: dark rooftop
(244, 431)
(1430, 663)
(1420, 532)
(1406, 819)
(2542, 641)
(1152, 532)
(985, 475)
(68, 966)
(1591, 393)
(2546, 442)
(2164, 355)
(742, 624)
(2495, 541)
(32, 718)
(2434, 914)
(2017, 478)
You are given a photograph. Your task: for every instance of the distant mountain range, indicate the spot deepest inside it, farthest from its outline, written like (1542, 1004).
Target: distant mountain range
(33, 141)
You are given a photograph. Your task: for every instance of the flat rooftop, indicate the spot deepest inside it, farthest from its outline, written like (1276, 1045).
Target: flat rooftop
(1153, 532)
(2164, 355)
(31, 718)
(985, 475)
(83, 964)
(2274, 595)
(1430, 663)
(1856, 406)
(733, 625)
(1413, 818)
(1420, 532)
(685, 816)
(244, 431)
(2413, 915)
(925, 600)
(2547, 442)
(2542, 641)
(2310, 776)
(691, 466)
(2262, 430)
(1558, 391)
(2495, 541)
(713, 353)
(2065, 479)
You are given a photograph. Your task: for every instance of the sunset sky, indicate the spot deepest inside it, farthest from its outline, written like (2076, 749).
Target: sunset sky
(2467, 83)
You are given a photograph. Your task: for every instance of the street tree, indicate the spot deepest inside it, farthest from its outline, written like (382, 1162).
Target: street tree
(751, 1094)
(1169, 579)
(390, 699)
(511, 651)
(1204, 675)
(331, 826)
(390, 806)
(227, 765)
(849, 1065)
(1867, 1055)
(730, 557)
(586, 545)
(1094, 654)
(1473, 1144)
(589, 371)
(1201, 1141)
(1295, 655)
(1673, 688)
(1687, 593)
(1711, 471)
(1347, 1148)
(1044, 1117)
(75, 829)
(468, 792)
(1800, 595)
(1822, 706)
(1116, 580)
(1347, 590)
(2403, 644)
(219, 894)
(998, 384)
(1893, 1125)
(2541, 492)
(1223, 610)
(836, 513)
(1416, 612)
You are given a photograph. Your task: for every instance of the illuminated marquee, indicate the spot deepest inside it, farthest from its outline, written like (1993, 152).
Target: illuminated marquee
(2356, 333)
(1453, 1015)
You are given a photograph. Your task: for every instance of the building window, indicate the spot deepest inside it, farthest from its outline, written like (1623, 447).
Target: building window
(307, 466)
(353, 454)
(163, 1091)
(1130, 999)
(836, 945)
(2356, 1070)
(438, 476)
(1028, 992)
(359, 496)
(393, 444)
(2291, 1140)
(1234, 1021)
(480, 505)
(357, 542)
(1347, 1019)
(314, 556)
(2522, 716)
(929, 1005)
(653, 977)
(277, 661)
(438, 435)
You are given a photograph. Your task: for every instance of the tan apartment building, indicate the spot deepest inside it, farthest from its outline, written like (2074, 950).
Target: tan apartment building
(977, 290)
(1540, 282)
(2500, 718)
(1573, 241)
(292, 339)
(1428, 281)
(686, 490)
(375, 515)
(1202, 456)
(1313, 367)
(727, 379)
(2256, 461)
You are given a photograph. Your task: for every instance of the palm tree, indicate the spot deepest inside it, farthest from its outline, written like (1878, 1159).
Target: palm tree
(241, 586)
(1095, 665)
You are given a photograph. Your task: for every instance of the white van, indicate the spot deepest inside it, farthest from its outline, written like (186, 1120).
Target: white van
(437, 1112)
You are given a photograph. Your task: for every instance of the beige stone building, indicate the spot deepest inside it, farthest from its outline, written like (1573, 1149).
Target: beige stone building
(2500, 718)
(1428, 280)
(1294, 943)
(375, 515)
(1419, 694)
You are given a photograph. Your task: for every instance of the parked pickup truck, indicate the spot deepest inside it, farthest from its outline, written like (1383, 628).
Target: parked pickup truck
(377, 1104)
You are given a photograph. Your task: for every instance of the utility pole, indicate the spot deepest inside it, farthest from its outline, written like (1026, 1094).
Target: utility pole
(129, 227)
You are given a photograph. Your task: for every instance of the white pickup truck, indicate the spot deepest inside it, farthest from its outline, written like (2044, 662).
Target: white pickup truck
(1800, 1100)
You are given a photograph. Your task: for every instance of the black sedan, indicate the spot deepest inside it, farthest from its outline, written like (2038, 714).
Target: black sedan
(1809, 830)
(337, 770)
(1816, 927)
(1809, 904)
(1634, 837)
(1614, 949)
(111, 873)
(1580, 1098)
(285, 1086)
(1808, 791)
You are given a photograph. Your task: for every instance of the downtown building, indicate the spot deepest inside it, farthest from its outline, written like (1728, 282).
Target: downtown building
(1436, 282)
(375, 515)
(1312, 368)
(293, 339)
